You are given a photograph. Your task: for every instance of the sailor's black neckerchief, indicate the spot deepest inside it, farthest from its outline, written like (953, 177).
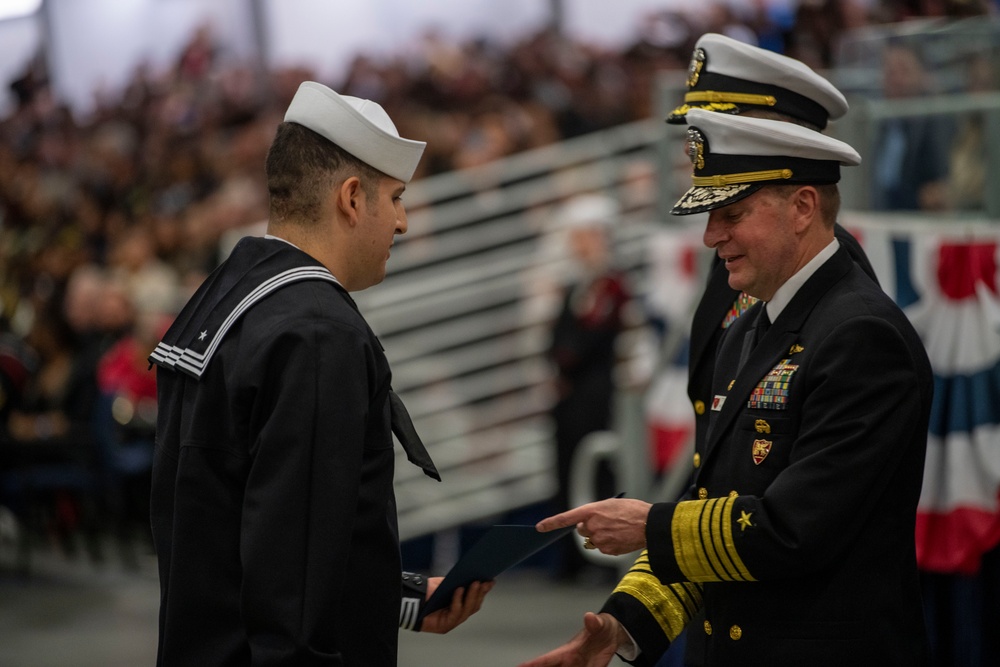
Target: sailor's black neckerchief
(256, 269)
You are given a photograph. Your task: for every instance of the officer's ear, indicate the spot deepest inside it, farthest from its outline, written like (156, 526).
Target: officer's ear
(804, 204)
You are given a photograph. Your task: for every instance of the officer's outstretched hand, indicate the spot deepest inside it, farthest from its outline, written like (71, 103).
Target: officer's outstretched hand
(463, 605)
(594, 646)
(616, 526)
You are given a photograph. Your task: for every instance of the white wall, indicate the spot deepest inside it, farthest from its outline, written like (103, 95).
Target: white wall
(328, 34)
(99, 43)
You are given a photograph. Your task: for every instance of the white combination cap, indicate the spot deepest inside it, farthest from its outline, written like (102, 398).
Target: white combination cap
(589, 210)
(734, 156)
(731, 76)
(360, 127)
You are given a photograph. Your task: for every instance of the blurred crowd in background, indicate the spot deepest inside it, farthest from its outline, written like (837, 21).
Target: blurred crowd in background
(108, 223)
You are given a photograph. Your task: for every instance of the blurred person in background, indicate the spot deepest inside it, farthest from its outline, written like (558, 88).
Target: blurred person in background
(272, 502)
(817, 27)
(911, 156)
(149, 283)
(583, 349)
(125, 426)
(51, 427)
(968, 154)
(18, 364)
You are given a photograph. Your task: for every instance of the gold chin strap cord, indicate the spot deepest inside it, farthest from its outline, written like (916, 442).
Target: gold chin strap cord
(720, 180)
(733, 98)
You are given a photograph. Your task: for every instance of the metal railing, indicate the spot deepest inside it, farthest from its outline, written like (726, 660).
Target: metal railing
(465, 326)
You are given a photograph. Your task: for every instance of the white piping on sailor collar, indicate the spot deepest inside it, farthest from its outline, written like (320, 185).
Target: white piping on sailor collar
(272, 237)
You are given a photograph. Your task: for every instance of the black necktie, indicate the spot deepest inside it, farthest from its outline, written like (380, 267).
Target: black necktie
(754, 336)
(761, 326)
(402, 425)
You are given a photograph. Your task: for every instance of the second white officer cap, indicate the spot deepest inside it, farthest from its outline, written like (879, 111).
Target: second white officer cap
(730, 76)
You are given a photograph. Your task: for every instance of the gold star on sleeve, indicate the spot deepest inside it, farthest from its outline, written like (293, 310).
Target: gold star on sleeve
(744, 520)
(703, 539)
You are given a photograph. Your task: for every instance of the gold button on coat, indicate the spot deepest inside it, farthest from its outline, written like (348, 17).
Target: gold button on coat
(699, 407)
(697, 459)
(702, 493)
(733, 494)
(735, 632)
(708, 628)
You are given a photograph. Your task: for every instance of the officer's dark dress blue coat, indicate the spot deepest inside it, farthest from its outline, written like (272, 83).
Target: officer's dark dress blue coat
(716, 303)
(797, 542)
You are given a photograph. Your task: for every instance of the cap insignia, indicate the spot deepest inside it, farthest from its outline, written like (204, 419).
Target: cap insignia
(696, 147)
(695, 67)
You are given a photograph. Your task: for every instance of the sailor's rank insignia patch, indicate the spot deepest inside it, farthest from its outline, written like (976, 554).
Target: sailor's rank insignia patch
(761, 448)
(772, 391)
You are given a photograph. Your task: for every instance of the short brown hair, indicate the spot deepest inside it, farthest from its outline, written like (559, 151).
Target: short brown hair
(829, 198)
(301, 165)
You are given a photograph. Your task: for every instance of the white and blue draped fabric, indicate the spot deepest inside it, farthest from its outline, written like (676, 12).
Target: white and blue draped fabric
(948, 284)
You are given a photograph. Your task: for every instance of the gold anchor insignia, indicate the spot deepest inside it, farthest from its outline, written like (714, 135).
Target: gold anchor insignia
(795, 348)
(762, 426)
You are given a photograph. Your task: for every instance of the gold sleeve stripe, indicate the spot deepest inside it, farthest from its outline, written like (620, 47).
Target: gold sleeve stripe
(691, 557)
(728, 544)
(642, 569)
(716, 556)
(703, 541)
(671, 606)
(721, 513)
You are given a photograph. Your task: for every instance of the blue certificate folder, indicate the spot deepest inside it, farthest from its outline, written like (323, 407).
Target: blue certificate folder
(501, 548)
